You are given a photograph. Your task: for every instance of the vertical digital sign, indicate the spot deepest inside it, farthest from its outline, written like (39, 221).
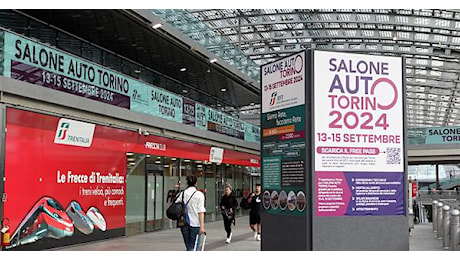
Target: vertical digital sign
(358, 134)
(283, 136)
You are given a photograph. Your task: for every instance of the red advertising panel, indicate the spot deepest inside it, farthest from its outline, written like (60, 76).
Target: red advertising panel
(414, 189)
(65, 180)
(61, 190)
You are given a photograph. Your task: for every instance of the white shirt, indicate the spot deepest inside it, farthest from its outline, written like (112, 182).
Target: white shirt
(195, 205)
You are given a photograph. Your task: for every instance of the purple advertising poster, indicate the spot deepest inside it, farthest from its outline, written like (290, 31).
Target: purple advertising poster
(359, 194)
(48, 79)
(358, 134)
(188, 112)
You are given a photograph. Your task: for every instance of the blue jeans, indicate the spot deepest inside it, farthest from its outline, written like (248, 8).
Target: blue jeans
(189, 234)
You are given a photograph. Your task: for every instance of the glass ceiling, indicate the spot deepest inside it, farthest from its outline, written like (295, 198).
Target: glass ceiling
(428, 39)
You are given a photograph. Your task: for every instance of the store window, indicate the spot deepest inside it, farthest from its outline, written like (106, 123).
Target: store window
(154, 171)
(211, 181)
(171, 185)
(135, 193)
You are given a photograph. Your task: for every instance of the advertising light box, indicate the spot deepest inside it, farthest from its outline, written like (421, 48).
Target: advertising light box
(358, 134)
(284, 136)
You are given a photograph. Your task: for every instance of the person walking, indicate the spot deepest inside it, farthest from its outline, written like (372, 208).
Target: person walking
(228, 204)
(255, 201)
(194, 219)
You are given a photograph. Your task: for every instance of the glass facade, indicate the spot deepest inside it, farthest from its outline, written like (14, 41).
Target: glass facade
(154, 181)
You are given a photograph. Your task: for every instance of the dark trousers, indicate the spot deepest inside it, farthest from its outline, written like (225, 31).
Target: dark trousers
(228, 226)
(189, 234)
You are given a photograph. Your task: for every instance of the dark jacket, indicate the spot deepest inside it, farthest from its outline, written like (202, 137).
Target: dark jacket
(228, 202)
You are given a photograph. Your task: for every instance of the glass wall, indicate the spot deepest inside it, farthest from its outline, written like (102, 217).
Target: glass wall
(135, 193)
(154, 171)
(171, 186)
(154, 181)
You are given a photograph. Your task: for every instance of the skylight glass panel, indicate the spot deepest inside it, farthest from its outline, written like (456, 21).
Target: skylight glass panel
(264, 35)
(344, 17)
(437, 63)
(422, 21)
(443, 23)
(326, 17)
(388, 47)
(332, 32)
(363, 17)
(382, 18)
(421, 36)
(440, 38)
(403, 35)
(349, 32)
(402, 19)
(367, 33)
(421, 62)
(385, 27)
(387, 34)
(269, 11)
(404, 48)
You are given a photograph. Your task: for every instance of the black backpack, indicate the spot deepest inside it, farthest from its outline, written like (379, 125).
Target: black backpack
(176, 209)
(244, 203)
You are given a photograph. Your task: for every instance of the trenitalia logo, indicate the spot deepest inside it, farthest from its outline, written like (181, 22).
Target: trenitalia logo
(71, 132)
(63, 130)
(273, 98)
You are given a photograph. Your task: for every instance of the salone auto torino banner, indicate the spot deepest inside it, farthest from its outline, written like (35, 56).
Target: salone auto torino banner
(65, 180)
(358, 134)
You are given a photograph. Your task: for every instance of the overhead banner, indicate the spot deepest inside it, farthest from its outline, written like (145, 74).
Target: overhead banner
(358, 134)
(49, 67)
(442, 135)
(283, 136)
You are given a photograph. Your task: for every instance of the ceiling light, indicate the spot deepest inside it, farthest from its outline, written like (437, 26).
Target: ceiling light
(185, 91)
(129, 153)
(131, 159)
(173, 159)
(213, 60)
(183, 69)
(223, 89)
(156, 26)
(137, 71)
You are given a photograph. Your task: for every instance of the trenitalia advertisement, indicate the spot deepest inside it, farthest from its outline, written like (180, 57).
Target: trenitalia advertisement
(65, 180)
(358, 134)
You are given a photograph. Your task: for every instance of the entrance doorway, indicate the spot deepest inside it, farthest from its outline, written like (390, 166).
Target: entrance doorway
(144, 193)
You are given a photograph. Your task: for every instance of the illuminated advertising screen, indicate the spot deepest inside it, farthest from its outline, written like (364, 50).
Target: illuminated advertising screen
(358, 134)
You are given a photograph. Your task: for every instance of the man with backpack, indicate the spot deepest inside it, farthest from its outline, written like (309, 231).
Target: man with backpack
(194, 217)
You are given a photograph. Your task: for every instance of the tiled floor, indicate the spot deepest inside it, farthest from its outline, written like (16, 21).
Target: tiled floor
(422, 239)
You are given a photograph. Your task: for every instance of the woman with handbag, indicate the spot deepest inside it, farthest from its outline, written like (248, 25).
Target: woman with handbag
(228, 204)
